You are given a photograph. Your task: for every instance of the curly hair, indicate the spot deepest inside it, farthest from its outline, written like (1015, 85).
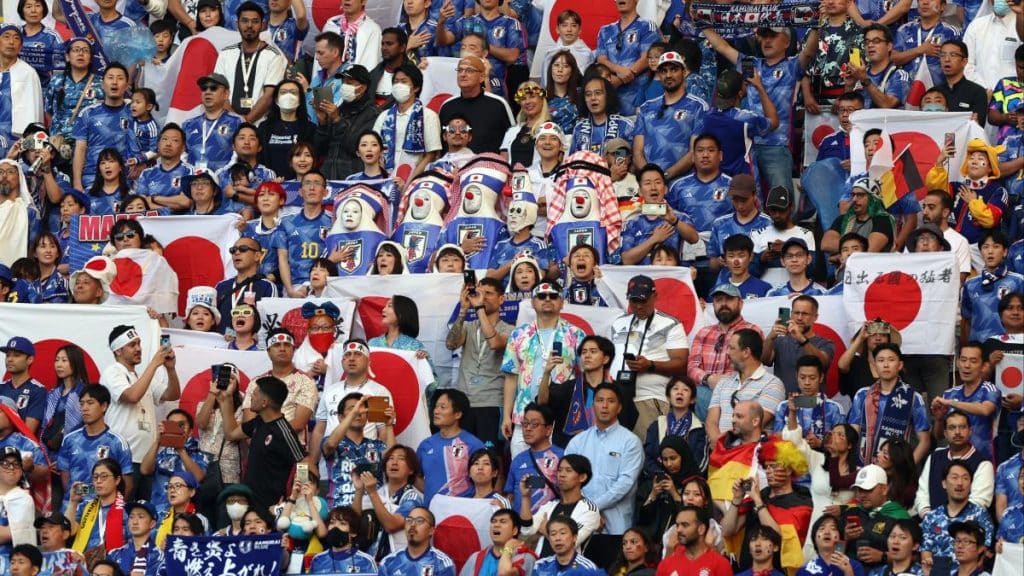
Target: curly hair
(785, 454)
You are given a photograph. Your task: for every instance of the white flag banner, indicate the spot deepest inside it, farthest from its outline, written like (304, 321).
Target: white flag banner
(407, 378)
(144, 278)
(463, 526)
(177, 93)
(676, 295)
(440, 81)
(435, 295)
(51, 326)
(591, 319)
(1010, 374)
(1010, 562)
(287, 313)
(924, 132)
(832, 324)
(195, 370)
(816, 128)
(180, 337)
(917, 293)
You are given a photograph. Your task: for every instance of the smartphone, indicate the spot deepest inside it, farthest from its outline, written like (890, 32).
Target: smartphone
(365, 467)
(85, 490)
(469, 278)
(223, 376)
(650, 209)
(165, 340)
(629, 356)
(950, 140)
(556, 348)
(746, 484)
(805, 401)
(291, 72)
(855, 57)
(535, 482)
(784, 315)
(853, 520)
(659, 476)
(376, 406)
(748, 68)
(841, 546)
(302, 473)
(322, 94)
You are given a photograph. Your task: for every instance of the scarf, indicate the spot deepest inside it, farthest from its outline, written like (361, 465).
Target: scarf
(893, 423)
(581, 416)
(585, 133)
(875, 208)
(681, 426)
(167, 524)
(734, 20)
(989, 279)
(113, 532)
(413, 144)
(348, 31)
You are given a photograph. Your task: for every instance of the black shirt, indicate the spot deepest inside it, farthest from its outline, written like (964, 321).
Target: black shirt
(966, 96)
(488, 115)
(273, 451)
(881, 224)
(277, 138)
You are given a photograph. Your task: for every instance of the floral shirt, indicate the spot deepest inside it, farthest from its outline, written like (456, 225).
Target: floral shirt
(524, 356)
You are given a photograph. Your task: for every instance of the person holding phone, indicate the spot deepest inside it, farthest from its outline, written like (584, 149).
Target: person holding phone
(867, 526)
(831, 555)
(793, 337)
(167, 457)
(661, 494)
(347, 448)
(657, 221)
(816, 413)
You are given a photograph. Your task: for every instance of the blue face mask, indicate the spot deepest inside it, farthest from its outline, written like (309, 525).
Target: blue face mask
(1000, 7)
(933, 107)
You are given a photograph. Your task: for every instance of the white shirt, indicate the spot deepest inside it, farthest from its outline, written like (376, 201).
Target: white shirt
(334, 393)
(580, 51)
(368, 38)
(431, 134)
(136, 423)
(270, 67)
(26, 96)
(960, 247)
(765, 236)
(991, 42)
(665, 333)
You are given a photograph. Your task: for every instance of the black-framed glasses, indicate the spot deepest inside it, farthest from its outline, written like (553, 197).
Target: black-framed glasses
(547, 296)
(241, 249)
(126, 235)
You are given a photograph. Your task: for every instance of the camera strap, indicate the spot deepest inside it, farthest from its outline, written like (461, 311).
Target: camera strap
(643, 337)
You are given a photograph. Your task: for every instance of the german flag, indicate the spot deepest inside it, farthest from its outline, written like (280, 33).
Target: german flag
(727, 465)
(904, 178)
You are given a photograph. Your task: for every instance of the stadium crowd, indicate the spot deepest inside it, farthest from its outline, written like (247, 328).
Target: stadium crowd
(640, 451)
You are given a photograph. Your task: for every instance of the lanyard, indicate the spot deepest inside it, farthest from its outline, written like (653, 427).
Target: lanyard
(248, 71)
(643, 337)
(208, 133)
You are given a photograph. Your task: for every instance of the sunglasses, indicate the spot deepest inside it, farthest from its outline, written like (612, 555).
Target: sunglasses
(126, 235)
(458, 129)
(241, 312)
(547, 296)
(209, 87)
(240, 249)
(719, 343)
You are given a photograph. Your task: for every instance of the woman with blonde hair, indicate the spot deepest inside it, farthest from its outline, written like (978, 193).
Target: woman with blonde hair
(519, 143)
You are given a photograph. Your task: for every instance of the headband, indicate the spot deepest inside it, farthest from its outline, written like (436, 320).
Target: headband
(358, 347)
(123, 340)
(280, 338)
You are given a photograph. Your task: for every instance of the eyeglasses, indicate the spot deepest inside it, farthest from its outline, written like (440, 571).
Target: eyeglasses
(847, 110)
(312, 183)
(8, 171)
(241, 249)
(126, 235)
(9, 465)
(209, 87)
(241, 312)
(720, 343)
(468, 70)
(965, 542)
(876, 41)
(101, 477)
(948, 55)
(458, 129)
(531, 424)
(176, 486)
(415, 521)
(547, 296)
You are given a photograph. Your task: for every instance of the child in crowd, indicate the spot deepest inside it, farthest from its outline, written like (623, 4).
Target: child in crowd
(143, 124)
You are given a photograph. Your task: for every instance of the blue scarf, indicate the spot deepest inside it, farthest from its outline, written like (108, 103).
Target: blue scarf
(413, 144)
(894, 422)
(679, 426)
(580, 417)
(586, 132)
(989, 279)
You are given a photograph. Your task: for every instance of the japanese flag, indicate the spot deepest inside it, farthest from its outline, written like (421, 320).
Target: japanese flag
(1010, 373)
(816, 128)
(195, 370)
(144, 277)
(463, 526)
(916, 293)
(591, 319)
(676, 295)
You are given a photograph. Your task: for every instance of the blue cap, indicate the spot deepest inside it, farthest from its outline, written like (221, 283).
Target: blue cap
(81, 197)
(19, 344)
(8, 27)
(190, 479)
(728, 289)
(145, 505)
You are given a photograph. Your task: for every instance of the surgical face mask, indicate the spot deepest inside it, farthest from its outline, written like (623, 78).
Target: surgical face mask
(933, 107)
(348, 92)
(236, 511)
(401, 92)
(1000, 7)
(288, 102)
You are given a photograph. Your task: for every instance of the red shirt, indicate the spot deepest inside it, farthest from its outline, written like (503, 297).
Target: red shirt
(710, 563)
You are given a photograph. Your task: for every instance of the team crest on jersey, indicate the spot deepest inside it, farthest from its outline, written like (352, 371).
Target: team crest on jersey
(102, 452)
(353, 569)
(323, 232)
(1002, 291)
(427, 571)
(581, 236)
(352, 262)
(679, 115)
(519, 182)
(467, 231)
(124, 123)
(498, 33)
(415, 242)
(117, 207)
(579, 294)
(22, 401)
(176, 182)
(778, 73)
(458, 450)
(719, 194)
(631, 37)
(223, 129)
(280, 35)
(89, 93)
(548, 462)
(372, 456)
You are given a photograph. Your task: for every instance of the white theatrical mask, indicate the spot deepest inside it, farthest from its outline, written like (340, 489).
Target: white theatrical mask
(472, 200)
(580, 203)
(351, 215)
(420, 204)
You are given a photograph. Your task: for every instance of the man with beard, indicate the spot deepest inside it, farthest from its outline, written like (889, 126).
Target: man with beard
(750, 381)
(930, 493)
(209, 135)
(665, 125)
(708, 362)
(419, 557)
(787, 342)
(252, 67)
(692, 525)
(935, 210)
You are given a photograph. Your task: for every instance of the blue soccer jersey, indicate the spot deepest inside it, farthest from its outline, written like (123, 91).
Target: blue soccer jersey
(350, 561)
(891, 81)
(624, 47)
(79, 452)
(52, 290)
(306, 242)
(639, 228)
(812, 289)
(343, 462)
(912, 34)
(530, 463)
(44, 51)
(506, 250)
(270, 241)
(858, 413)
(288, 37)
(703, 202)
(979, 304)
(433, 562)
(23, 444)
(502, 32)
(62, 97)
(30, 398)
(1007, 478)
(147, 132)
(103, 28)
(101, 126)
(725, 226)
(592, 137)
(159, 181)
(780, 82)
(549, 566)
(445, 463)
(1015, 258)
(983, 428)
(428, 26)
(667, 128)
(970, 7)
(209, 142)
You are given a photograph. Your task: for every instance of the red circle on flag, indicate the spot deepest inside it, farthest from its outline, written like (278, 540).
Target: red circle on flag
(371, 310)
(832, 377)
(677, 299)
(578, 322)
(42, 366)
(322, 11)
(394, 373)
(596, 13)
(1012, 377)
(457, 537)
(198, 387)
(199, 59)
(197, 262)
(894, 297)
(128, 279)
(438, 100)
(820, 133)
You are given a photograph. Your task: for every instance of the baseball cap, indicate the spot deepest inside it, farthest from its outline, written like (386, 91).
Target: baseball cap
(727, 289)
(640, 287)
(671, 58)
(778, 198)
(145, 505)
(870, 476)
(216, 78)
(615, 144)
(927, 229)
(358, 73)
(11, 452)
(742, 185)
(19, 344)
(56, 518)
(970, 526)
(209, 4)
(10, 27)
(795, 242)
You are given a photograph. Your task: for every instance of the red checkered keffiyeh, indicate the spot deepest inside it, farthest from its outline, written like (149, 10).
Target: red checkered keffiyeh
(589, 165)
(437, 179)
(488, 166)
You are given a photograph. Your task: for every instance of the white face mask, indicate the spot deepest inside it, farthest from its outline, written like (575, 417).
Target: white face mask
(236, 511)
(401, 92)
(348, 92)
(288, 102)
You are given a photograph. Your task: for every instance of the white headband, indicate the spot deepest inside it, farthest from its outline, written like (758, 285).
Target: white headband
(280, 338)
(357, 347)
(123, 340)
